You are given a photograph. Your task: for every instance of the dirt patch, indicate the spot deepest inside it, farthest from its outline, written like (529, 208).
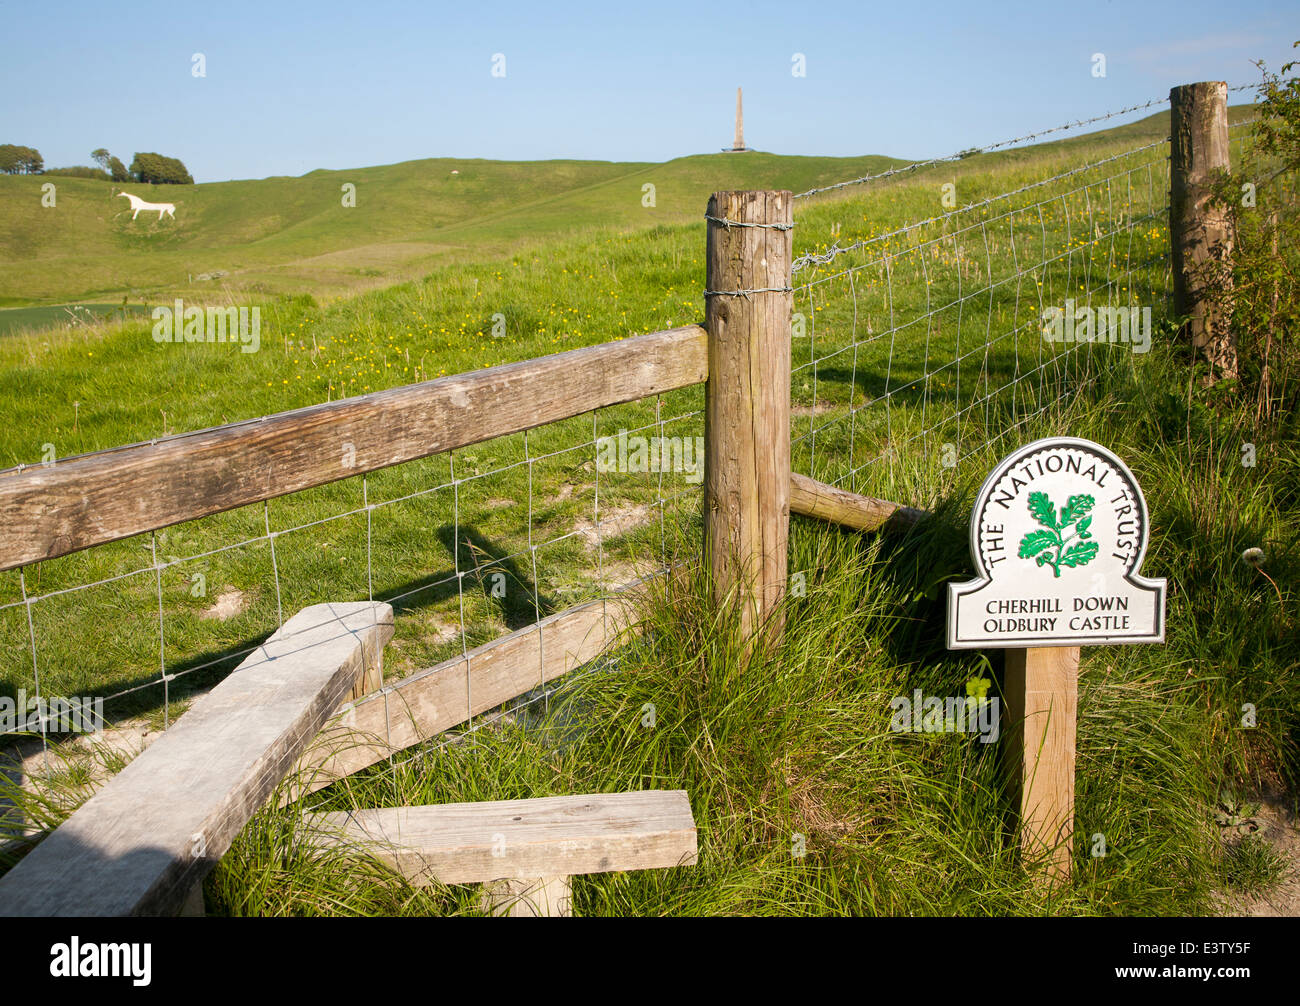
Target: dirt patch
(820, 409)
(229, 603)
(1276, 823)
(613, 577)
(92, 752)
(433, 628)
(613, 522)
(441, 631)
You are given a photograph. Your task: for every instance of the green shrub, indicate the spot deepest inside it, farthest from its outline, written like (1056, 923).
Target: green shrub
(80, 171)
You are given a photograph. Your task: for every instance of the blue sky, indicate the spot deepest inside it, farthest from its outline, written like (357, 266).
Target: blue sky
(290, 87)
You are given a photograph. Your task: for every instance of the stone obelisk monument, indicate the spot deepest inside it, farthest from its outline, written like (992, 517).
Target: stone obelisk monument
(739, 145)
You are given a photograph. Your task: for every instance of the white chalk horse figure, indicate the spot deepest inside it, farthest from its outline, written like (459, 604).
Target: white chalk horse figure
(138, 204)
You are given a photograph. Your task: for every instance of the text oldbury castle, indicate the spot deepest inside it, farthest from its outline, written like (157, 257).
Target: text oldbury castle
(1057, 536)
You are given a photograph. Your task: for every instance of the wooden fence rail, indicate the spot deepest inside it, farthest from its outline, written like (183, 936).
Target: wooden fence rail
(48, 511)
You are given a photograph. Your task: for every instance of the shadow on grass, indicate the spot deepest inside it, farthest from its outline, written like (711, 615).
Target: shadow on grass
(479, 563)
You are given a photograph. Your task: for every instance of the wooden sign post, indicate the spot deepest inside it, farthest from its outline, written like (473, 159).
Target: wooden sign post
(1058, 535)
(1041, 692)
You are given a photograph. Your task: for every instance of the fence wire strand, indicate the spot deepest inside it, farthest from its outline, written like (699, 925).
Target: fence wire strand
(929, 330)
(933, 332)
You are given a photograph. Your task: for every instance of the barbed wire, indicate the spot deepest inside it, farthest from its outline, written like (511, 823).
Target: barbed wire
(986, 148)
(958, 155)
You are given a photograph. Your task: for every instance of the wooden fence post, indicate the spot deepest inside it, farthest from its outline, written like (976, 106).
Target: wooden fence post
(1201, 234)
(1042, 696)
(747, 409)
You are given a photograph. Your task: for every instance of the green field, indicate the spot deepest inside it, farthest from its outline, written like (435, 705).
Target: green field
(15, 319)
(797, 745)
(294, 235)
(273, 236)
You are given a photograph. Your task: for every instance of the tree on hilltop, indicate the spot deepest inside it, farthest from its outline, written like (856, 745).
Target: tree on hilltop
(19, 160)
(159, 170)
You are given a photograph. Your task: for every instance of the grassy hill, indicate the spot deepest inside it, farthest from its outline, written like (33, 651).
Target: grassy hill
(282, 235)
(286, 235)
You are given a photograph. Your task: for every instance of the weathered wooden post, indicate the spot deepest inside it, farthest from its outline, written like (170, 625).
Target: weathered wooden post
(1058, 535)
(747, 412)
(539, 898)
(1200, 233)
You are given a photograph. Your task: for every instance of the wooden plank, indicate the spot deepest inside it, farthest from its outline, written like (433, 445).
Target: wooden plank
(416, 708)
(139, 845)
(1201, 231)
(47, 511)
(1042, 696)
(825, 502)
(747, 409)
(465, 843)
(540, 897)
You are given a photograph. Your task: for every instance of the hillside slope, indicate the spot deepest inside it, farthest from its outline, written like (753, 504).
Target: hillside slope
(286, 235)
(294, 234)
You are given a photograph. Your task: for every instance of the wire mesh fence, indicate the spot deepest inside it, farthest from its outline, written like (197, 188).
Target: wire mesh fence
(465, 546)
(927, 328)
(932, 325)
(930, 339)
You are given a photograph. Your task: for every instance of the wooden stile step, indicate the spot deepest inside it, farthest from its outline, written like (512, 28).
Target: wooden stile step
(554, 836)
(139, 845)
(425, 703)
